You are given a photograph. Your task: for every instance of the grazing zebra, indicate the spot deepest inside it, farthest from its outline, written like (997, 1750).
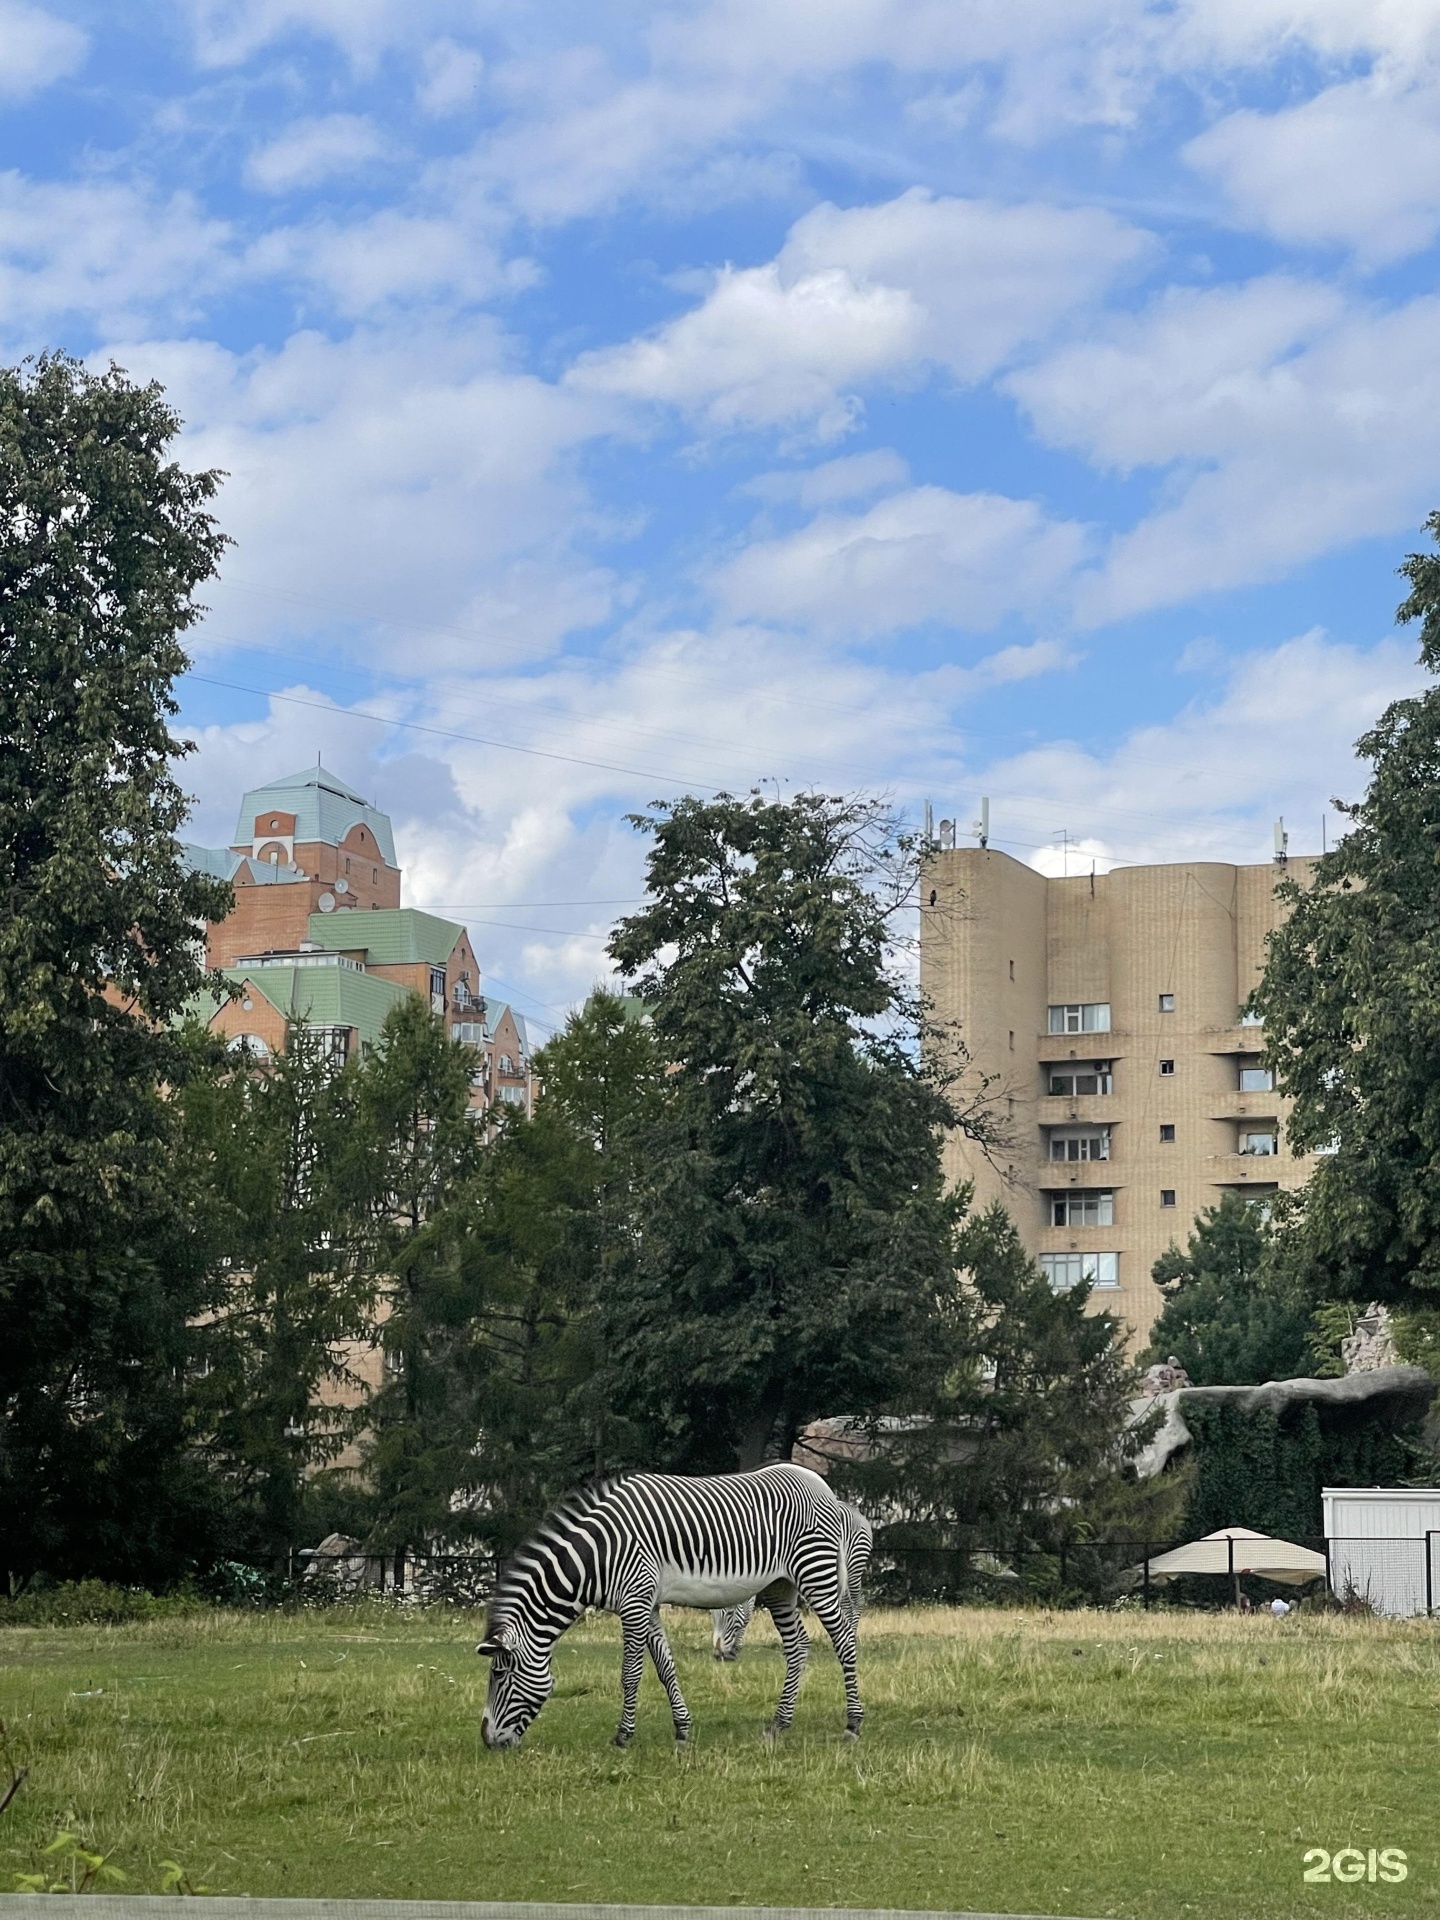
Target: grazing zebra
(633, 1544)
(728, 1624)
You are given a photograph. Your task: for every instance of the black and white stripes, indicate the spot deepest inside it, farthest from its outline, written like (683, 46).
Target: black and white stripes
(631, 1545)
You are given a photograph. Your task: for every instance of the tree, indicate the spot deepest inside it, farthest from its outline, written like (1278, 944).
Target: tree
(1230, 1318)
(403, 1174)
(290, 1288)
(792, 1228)
(1015, 1429)
(1351, 1000)
(501, 1260)
(103, 541)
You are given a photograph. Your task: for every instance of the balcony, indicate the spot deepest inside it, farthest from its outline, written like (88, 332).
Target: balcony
(1246, 1106)
(1236, 1039)
(1051, 1047)
(1242, 1169)
(1071, 1176)
(1063, 1109)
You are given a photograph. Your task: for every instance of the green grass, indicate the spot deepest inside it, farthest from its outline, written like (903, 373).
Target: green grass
(1090, 1764)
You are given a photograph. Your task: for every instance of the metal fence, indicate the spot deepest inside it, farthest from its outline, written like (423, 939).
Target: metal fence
(1378, 1574)
(1386, 1574)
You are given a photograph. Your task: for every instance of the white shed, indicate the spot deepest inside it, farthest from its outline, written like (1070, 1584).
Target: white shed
(1384, 1546)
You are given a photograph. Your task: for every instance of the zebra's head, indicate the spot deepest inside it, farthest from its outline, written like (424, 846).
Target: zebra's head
(521, 1682)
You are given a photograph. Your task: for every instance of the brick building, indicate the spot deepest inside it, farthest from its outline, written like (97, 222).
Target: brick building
(1107, 1010)
(318, 936)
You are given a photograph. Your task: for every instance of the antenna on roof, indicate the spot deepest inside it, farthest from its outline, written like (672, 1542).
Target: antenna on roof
(1282, 842)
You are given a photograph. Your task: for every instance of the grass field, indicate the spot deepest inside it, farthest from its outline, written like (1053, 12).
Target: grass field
(1077, 1764)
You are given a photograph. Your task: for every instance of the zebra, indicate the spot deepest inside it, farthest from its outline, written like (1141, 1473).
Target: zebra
(728, 1624)
(632, 1544)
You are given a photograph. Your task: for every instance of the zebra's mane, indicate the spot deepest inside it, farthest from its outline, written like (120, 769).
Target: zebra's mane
(556, 1523)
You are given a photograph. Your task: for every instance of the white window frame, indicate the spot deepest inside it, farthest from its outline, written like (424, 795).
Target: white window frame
(1065, 1271)
(1100, 1199)
(1080, 1137)
(1080, 1016)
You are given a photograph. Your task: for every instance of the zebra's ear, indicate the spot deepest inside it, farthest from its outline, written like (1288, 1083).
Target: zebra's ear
(493, 1643)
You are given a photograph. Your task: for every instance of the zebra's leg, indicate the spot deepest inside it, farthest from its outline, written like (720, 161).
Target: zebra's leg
(838, 1620)
(665, 1666)
(634, 1628)
(786, 1615)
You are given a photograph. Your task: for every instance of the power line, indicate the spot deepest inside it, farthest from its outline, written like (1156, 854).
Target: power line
(444, 733)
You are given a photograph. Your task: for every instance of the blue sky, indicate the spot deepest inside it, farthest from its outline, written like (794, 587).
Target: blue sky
(1029, 398)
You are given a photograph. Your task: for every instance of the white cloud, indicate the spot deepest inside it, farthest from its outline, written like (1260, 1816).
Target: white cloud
(865, 294)
(853, 476)
(1279, 739)
(36, 49)
(1294, 422)
(406, 492)
(759, 352)
(104, 251)
(923, 555)
(228, 32)
(451, 77)
(1358, 165)
(311, 151)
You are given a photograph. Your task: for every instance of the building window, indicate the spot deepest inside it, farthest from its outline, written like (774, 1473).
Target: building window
(513, 1096)
(1094, 1145)
(1167, 1131)
(1263, 1144)
(334, 1044)
(394, 1360)
(1251, 1019)
(1167, 1196)
(1094, 1077)
(472, 1032)
(250, 1044)
(1167, 1067)
(1094, 1209)
(507, 1065)
(1167, 1003)
(1089, 1016)
(437, 989)
(1067, 1270)
(1256, 1080)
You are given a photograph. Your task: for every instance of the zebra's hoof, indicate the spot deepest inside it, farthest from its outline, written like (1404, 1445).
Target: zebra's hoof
(852, 1733)
(623, 1739)
(682, 1736)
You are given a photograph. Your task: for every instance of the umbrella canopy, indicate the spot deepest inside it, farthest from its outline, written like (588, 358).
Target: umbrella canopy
(1252, 1553)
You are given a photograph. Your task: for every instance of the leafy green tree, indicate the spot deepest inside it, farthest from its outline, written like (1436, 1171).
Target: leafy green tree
(1351, 999)
(792, 1229)
(291, 1290)
(1015, 1429)
(1230, 1318)
(103, 541)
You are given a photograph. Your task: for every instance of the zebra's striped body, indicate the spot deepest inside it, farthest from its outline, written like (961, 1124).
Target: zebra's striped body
(728, 1624)
(650, 1539)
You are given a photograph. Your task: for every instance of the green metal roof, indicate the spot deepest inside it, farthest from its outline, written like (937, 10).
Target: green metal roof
(387, 936)
(323, 806)
(325, 996)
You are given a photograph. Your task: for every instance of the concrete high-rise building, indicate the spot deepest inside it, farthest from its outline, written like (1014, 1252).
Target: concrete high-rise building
(1106, 1011)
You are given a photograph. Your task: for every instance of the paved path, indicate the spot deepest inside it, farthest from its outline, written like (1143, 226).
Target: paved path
(155, 1906)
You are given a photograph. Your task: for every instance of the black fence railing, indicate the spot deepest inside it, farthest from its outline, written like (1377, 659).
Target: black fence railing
(1383, 1574)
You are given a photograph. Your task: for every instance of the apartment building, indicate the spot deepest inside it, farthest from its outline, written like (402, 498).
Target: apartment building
(318, 936)
(1106, 1009)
